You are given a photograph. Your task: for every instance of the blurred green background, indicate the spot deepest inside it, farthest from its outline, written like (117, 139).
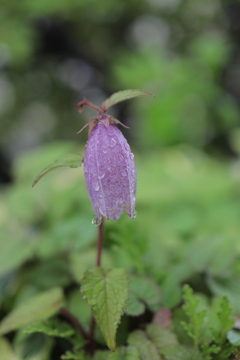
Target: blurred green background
(186, 141)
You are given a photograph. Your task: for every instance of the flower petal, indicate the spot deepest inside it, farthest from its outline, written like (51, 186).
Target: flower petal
(110, 172)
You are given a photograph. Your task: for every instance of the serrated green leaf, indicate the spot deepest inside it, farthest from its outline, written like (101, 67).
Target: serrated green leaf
(5, 350)
(106, 292)
(143, 291)
(147, 350)
(72, 160)
(225, 315)
(38, 308)
(180, 352)
(124, 95)
(197, 316)
(52, 327)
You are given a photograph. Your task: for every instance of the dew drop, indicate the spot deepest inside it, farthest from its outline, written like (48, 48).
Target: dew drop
(131, 156)
(124, 173)
(113, 143)
(101, 176)
(127, 147)
(96, 186)
(96, 221)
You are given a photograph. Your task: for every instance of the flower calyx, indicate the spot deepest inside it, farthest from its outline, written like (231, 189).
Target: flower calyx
(101, 117)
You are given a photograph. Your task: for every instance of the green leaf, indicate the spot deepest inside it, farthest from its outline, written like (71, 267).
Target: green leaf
(229, 286)
(180, 352)
(106, 292)
(143, 291)
(124, 353)
(6, 351)
(79, 355)
(195, 327)
(15, 250)
(52, 327)
(225, 318)
(151, 342)
(101, 355)
(160, 336)
(72, 160)
(33, 347)
(233, 337)
(147, 350)
(38, 308)
(124, 95)
(134, 306)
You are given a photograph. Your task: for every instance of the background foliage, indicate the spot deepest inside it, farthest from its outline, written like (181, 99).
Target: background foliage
(187, 146)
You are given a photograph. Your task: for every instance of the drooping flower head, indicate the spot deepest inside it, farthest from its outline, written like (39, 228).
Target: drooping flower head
(109, 166)
(110, 173)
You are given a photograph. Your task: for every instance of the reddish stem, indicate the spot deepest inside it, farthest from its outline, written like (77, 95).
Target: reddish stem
(85, 102)
(74, 321)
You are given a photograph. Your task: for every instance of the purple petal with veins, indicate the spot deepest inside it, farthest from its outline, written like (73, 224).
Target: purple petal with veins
(110, 173)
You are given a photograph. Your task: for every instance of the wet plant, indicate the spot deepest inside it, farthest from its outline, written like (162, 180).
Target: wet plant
(117, 313)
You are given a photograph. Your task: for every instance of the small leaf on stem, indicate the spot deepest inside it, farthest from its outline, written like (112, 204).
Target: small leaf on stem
(106, 292)
(123, 95)
(72, 160)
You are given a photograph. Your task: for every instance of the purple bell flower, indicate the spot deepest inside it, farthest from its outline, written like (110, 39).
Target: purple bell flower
(110, 171)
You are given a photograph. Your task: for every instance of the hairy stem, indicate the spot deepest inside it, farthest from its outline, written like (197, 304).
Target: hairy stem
(98, 263)
(74, 321)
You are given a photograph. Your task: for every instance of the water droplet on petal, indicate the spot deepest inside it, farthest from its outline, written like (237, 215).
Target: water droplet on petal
(96, 221)
(134, 215)
(101, 176)
(131, 156)
(113, 143)
(96, 186)
(124, 173)
(127, 147)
